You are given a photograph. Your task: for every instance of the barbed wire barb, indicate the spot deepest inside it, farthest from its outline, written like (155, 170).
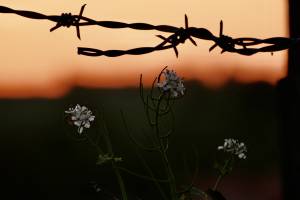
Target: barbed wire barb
(68, 20)
(180, 36)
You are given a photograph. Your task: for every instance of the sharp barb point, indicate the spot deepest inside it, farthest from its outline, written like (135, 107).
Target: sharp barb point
(176, 51)
(193, 41)
(221, 28)
(212, 47)
(161, 37)
(186, 21)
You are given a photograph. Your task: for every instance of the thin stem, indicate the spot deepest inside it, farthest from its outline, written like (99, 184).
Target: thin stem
(114, 166)
(120, 180)
(143, 176)
(99, 150)
(223, 172)
(141, 146)
(152, 175)
(196, 171)
(116, 170)
(218, 181)
(170, 174)
(163, 151)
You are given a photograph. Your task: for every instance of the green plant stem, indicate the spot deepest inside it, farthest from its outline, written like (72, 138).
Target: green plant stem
(218, 181)
(98, 149)
(152, 175)
(163, 152)
(170, 175)
(143, 176)
(139, 146)
(223, 172)
(120, 180)
(116, 170)
(114, 166)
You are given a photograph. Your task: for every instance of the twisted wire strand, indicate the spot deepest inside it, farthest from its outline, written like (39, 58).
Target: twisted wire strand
(242, 46)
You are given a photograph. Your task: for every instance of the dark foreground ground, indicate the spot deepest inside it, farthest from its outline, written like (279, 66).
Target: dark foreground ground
(40, 159)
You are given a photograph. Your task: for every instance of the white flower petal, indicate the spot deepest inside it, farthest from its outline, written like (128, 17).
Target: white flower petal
(80, 129)
(87, 125)
(77, 123)
(83, 108)
(92, 118)
(73, 118)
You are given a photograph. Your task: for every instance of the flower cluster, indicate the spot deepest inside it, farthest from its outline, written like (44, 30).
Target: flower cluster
(234, 147)
(104, 158)
(81, 117)
(172, 84)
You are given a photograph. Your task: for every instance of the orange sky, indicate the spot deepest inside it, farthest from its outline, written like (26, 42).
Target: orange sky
(37, 63)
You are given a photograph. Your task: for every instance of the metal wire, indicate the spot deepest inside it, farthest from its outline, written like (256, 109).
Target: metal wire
(242, 46)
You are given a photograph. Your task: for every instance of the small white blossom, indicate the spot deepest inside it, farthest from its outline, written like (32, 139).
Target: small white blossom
(234, 147)
(172, 83)
(81, 117)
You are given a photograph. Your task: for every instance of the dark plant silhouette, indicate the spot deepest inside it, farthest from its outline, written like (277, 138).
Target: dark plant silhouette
(166, 88)
(243, 45)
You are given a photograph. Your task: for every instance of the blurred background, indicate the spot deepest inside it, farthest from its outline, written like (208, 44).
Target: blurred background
(228, 95)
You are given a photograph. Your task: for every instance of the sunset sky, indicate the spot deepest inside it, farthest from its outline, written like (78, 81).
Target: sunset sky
(37, 63)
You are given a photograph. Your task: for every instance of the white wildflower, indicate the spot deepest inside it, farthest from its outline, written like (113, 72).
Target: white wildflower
(172, 84)
(81, 117)
(234, 147)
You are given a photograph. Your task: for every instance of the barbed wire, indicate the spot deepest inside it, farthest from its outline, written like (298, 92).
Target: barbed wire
(242, 46)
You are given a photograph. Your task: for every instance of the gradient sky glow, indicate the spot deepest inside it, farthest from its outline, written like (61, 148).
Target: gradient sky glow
(37, 63)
